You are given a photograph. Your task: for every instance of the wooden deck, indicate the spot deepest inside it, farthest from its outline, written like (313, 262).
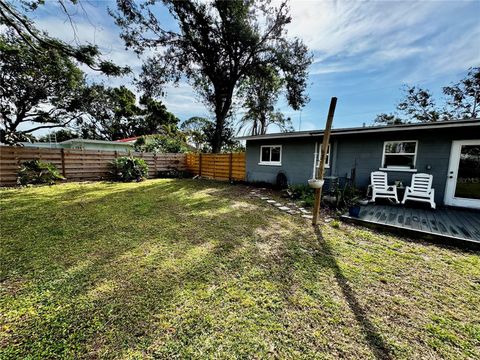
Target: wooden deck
(447, 223)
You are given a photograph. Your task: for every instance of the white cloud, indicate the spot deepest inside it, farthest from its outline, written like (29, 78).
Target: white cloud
(357, 35)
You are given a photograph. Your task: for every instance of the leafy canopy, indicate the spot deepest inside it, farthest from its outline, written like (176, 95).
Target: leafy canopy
(38, 90)
(218, 46)
(113, 114)
(41, 43)
(461, 101)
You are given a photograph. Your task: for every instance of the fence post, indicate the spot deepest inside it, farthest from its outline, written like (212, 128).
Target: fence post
(200, 164)
(62, 151)
(155, 163)
(116, 154)
(230, 170)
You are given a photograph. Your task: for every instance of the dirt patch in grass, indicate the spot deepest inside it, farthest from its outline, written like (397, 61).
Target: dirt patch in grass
(199, 269)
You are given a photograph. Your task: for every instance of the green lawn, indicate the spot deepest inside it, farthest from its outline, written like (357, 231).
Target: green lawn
(196, 269)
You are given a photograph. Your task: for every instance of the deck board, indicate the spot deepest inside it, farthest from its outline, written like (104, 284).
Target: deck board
(458, 224)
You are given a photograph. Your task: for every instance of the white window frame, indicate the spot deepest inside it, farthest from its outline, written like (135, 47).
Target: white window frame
(399, 168)
(270, 163)
(327, 163)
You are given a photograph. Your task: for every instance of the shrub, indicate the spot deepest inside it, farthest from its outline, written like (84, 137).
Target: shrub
(174, 174)
(302, 192)
(335, 224)
(38, 172)
(128, 169)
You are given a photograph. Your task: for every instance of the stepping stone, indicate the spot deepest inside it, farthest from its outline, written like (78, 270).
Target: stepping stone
(271, 201)
(290, 204)
(304, 211)
(264, 198)
(292, 212)
(308, 216)
(277, 204)
(284, 208)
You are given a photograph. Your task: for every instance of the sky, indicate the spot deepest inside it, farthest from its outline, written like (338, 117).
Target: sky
(364, 51)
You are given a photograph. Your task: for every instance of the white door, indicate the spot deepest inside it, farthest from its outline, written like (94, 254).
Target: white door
(463, 182)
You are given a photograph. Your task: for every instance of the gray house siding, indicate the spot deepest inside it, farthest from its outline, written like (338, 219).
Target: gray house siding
(297, 161)
(361, 152)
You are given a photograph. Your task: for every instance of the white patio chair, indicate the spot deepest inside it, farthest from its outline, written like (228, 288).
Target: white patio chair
(420, 190)
(380, 187)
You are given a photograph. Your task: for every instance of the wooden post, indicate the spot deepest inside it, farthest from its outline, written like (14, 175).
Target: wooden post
(62, 151)
(321, 168)
(230, 170)
(200, 164)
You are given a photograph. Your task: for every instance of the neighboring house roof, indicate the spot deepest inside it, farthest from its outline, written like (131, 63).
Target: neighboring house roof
(368, 129)
(89, 141)
(128, 140)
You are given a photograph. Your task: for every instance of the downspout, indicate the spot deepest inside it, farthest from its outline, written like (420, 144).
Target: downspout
(315, 160)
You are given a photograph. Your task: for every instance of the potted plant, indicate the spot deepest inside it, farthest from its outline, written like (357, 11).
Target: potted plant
(349, 198)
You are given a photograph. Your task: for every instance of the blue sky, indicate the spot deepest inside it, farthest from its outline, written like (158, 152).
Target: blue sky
(363, 52)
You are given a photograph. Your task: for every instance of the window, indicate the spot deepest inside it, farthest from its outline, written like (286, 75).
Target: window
(399, 155)
(270, 155)
(327, 157)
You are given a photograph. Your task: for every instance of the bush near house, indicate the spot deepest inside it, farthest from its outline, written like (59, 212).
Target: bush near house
(38, 172)
(128, 169)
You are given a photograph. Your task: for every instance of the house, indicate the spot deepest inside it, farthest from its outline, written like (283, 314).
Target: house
(449, 150)
(84, 144)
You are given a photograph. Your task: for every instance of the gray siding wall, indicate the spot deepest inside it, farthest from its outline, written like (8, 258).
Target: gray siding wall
(297, 161)
(360, 152)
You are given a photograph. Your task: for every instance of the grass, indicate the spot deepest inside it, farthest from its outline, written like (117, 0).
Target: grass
(196, 269)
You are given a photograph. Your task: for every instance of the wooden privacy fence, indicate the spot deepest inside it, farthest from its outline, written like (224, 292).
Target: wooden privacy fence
(78, 165)
(217, 166)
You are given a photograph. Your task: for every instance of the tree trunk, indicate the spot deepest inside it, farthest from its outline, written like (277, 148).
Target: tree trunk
(223, 103)
(217, 140)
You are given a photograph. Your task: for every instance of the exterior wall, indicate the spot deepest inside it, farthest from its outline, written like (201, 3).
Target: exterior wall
(363, 153)
(297, 161)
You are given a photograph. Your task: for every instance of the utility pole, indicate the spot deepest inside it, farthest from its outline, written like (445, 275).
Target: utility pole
(321, 168)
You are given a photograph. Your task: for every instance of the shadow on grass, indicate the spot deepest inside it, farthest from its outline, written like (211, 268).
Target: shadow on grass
(377, 345)
(102, 284)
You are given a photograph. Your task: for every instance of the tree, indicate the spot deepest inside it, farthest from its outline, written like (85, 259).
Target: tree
(388, 119)
(59, 135)
(462, 101)
(37, 91)
(463, 98)
(219, 45)
(41, 43)
(110, 113)
(200, 132)
(261, 96)
(113, 114)
(417, 105)
(194, 130)
(157, 119)
(162, 144)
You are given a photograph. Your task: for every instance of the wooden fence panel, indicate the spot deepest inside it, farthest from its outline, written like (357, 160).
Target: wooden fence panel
(78, 165)
(217, 166)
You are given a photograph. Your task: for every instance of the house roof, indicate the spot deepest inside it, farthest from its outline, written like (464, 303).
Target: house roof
(369, 129)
